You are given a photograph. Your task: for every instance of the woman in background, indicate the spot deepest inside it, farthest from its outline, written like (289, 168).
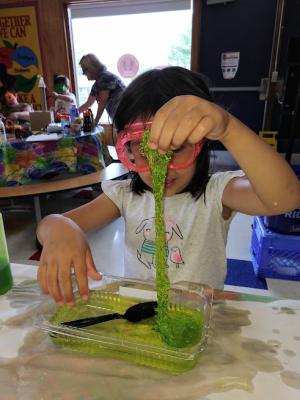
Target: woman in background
(106, 90)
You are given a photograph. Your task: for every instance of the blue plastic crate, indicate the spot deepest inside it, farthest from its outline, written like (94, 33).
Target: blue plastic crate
(274, 255)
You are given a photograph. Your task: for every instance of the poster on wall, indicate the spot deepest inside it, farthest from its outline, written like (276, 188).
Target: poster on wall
(20, 55)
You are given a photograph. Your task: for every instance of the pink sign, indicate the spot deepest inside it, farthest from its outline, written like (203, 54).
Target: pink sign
(128, 66)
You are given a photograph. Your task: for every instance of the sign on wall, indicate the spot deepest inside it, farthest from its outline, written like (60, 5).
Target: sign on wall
(20, 55)
(230, 63)
(128, 66)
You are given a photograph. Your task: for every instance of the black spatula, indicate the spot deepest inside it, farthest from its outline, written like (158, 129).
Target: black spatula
(135, 313)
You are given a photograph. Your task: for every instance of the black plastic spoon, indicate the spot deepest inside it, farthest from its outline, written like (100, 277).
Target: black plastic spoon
(135, 313)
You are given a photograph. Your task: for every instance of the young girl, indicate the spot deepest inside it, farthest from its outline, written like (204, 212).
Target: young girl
(198, 208)
(64, 99)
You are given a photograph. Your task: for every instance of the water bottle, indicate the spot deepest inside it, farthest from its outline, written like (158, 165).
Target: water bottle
(74, 113)
(6, 281)
(3, 137)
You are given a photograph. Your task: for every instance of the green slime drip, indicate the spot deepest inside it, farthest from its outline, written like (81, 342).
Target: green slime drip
(177, 331)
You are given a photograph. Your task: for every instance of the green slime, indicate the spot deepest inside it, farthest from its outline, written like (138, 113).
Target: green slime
(175, 330)
(120, 338)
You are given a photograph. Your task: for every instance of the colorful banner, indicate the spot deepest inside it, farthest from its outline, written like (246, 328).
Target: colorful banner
(20, 56)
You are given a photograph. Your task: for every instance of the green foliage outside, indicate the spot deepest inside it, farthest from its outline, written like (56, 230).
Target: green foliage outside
(180, 54)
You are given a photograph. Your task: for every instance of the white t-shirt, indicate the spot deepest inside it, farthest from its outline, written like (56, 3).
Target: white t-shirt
(64, 107)
(196, 233)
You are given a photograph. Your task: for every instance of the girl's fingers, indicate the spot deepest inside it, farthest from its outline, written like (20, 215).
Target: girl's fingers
(176, 120)
(159, 121)
(201, 130)
(65, 283)
(52, 282)
(186, 127)
(42, 276)
(91, 267)
(81, 277)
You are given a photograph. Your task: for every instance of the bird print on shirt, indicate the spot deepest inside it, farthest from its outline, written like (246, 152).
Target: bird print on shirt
(147, 249)
(176, 257)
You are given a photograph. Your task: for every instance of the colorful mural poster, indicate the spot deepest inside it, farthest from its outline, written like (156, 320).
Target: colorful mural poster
(20, 56)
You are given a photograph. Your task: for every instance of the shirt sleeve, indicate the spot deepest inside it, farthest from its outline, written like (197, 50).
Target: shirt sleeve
(118, 192)
(217, 184)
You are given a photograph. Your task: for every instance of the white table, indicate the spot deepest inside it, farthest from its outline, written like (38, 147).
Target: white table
(253, 353)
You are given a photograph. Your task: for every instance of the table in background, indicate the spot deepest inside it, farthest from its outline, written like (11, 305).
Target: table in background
(22, 162)
(253, 354)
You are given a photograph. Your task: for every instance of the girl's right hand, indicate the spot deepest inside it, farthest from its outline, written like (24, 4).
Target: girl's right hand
(65, 248)
(187, 119)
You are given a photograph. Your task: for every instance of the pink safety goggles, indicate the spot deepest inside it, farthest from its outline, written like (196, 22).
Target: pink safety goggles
(129, 149)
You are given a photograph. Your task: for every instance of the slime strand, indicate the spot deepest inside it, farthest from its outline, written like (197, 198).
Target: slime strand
(158, 164)
(175, 330)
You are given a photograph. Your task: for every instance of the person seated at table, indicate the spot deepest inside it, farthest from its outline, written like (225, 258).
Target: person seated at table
(12, 109)
(106, 90)
(64, 98)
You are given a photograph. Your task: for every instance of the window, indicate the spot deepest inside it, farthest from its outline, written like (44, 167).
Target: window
(157, 33)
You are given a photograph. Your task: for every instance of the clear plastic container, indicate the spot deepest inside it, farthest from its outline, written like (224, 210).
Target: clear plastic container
(138, 342)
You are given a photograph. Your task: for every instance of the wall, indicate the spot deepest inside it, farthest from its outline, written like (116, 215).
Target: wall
(289, 69)
(53, 32)
(245, 26)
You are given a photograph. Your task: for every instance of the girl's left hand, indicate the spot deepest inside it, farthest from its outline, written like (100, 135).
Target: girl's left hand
(187, 119)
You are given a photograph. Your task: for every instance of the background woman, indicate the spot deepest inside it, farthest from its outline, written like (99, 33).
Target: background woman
(106, 90)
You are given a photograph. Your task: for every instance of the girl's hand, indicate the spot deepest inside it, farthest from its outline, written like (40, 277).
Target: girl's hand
(66, 249)
(187, 119)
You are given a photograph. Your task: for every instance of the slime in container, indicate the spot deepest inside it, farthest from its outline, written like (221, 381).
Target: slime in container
(139, 342)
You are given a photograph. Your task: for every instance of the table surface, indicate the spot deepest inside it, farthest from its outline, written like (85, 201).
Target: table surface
(253, 353)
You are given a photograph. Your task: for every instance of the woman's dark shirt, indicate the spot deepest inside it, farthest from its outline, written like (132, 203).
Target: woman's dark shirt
(108, 81)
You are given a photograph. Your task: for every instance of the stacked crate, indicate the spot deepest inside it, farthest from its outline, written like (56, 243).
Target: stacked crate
(274, 255)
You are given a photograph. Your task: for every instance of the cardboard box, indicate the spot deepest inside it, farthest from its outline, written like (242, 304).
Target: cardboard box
(40, 119)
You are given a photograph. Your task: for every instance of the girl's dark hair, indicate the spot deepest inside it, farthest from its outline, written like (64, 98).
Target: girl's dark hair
(144, 97)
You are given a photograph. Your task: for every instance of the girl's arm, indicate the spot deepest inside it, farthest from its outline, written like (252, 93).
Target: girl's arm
(270, 186)
(65, 248)
(64, 97)
(95, 214)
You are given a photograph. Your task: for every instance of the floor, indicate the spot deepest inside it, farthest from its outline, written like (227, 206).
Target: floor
(20, 231)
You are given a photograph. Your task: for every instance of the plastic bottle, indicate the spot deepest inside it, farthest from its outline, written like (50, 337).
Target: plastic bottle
(88, 120)
(3, 137)
(6, 280)
(74, 113)
(65, 124)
